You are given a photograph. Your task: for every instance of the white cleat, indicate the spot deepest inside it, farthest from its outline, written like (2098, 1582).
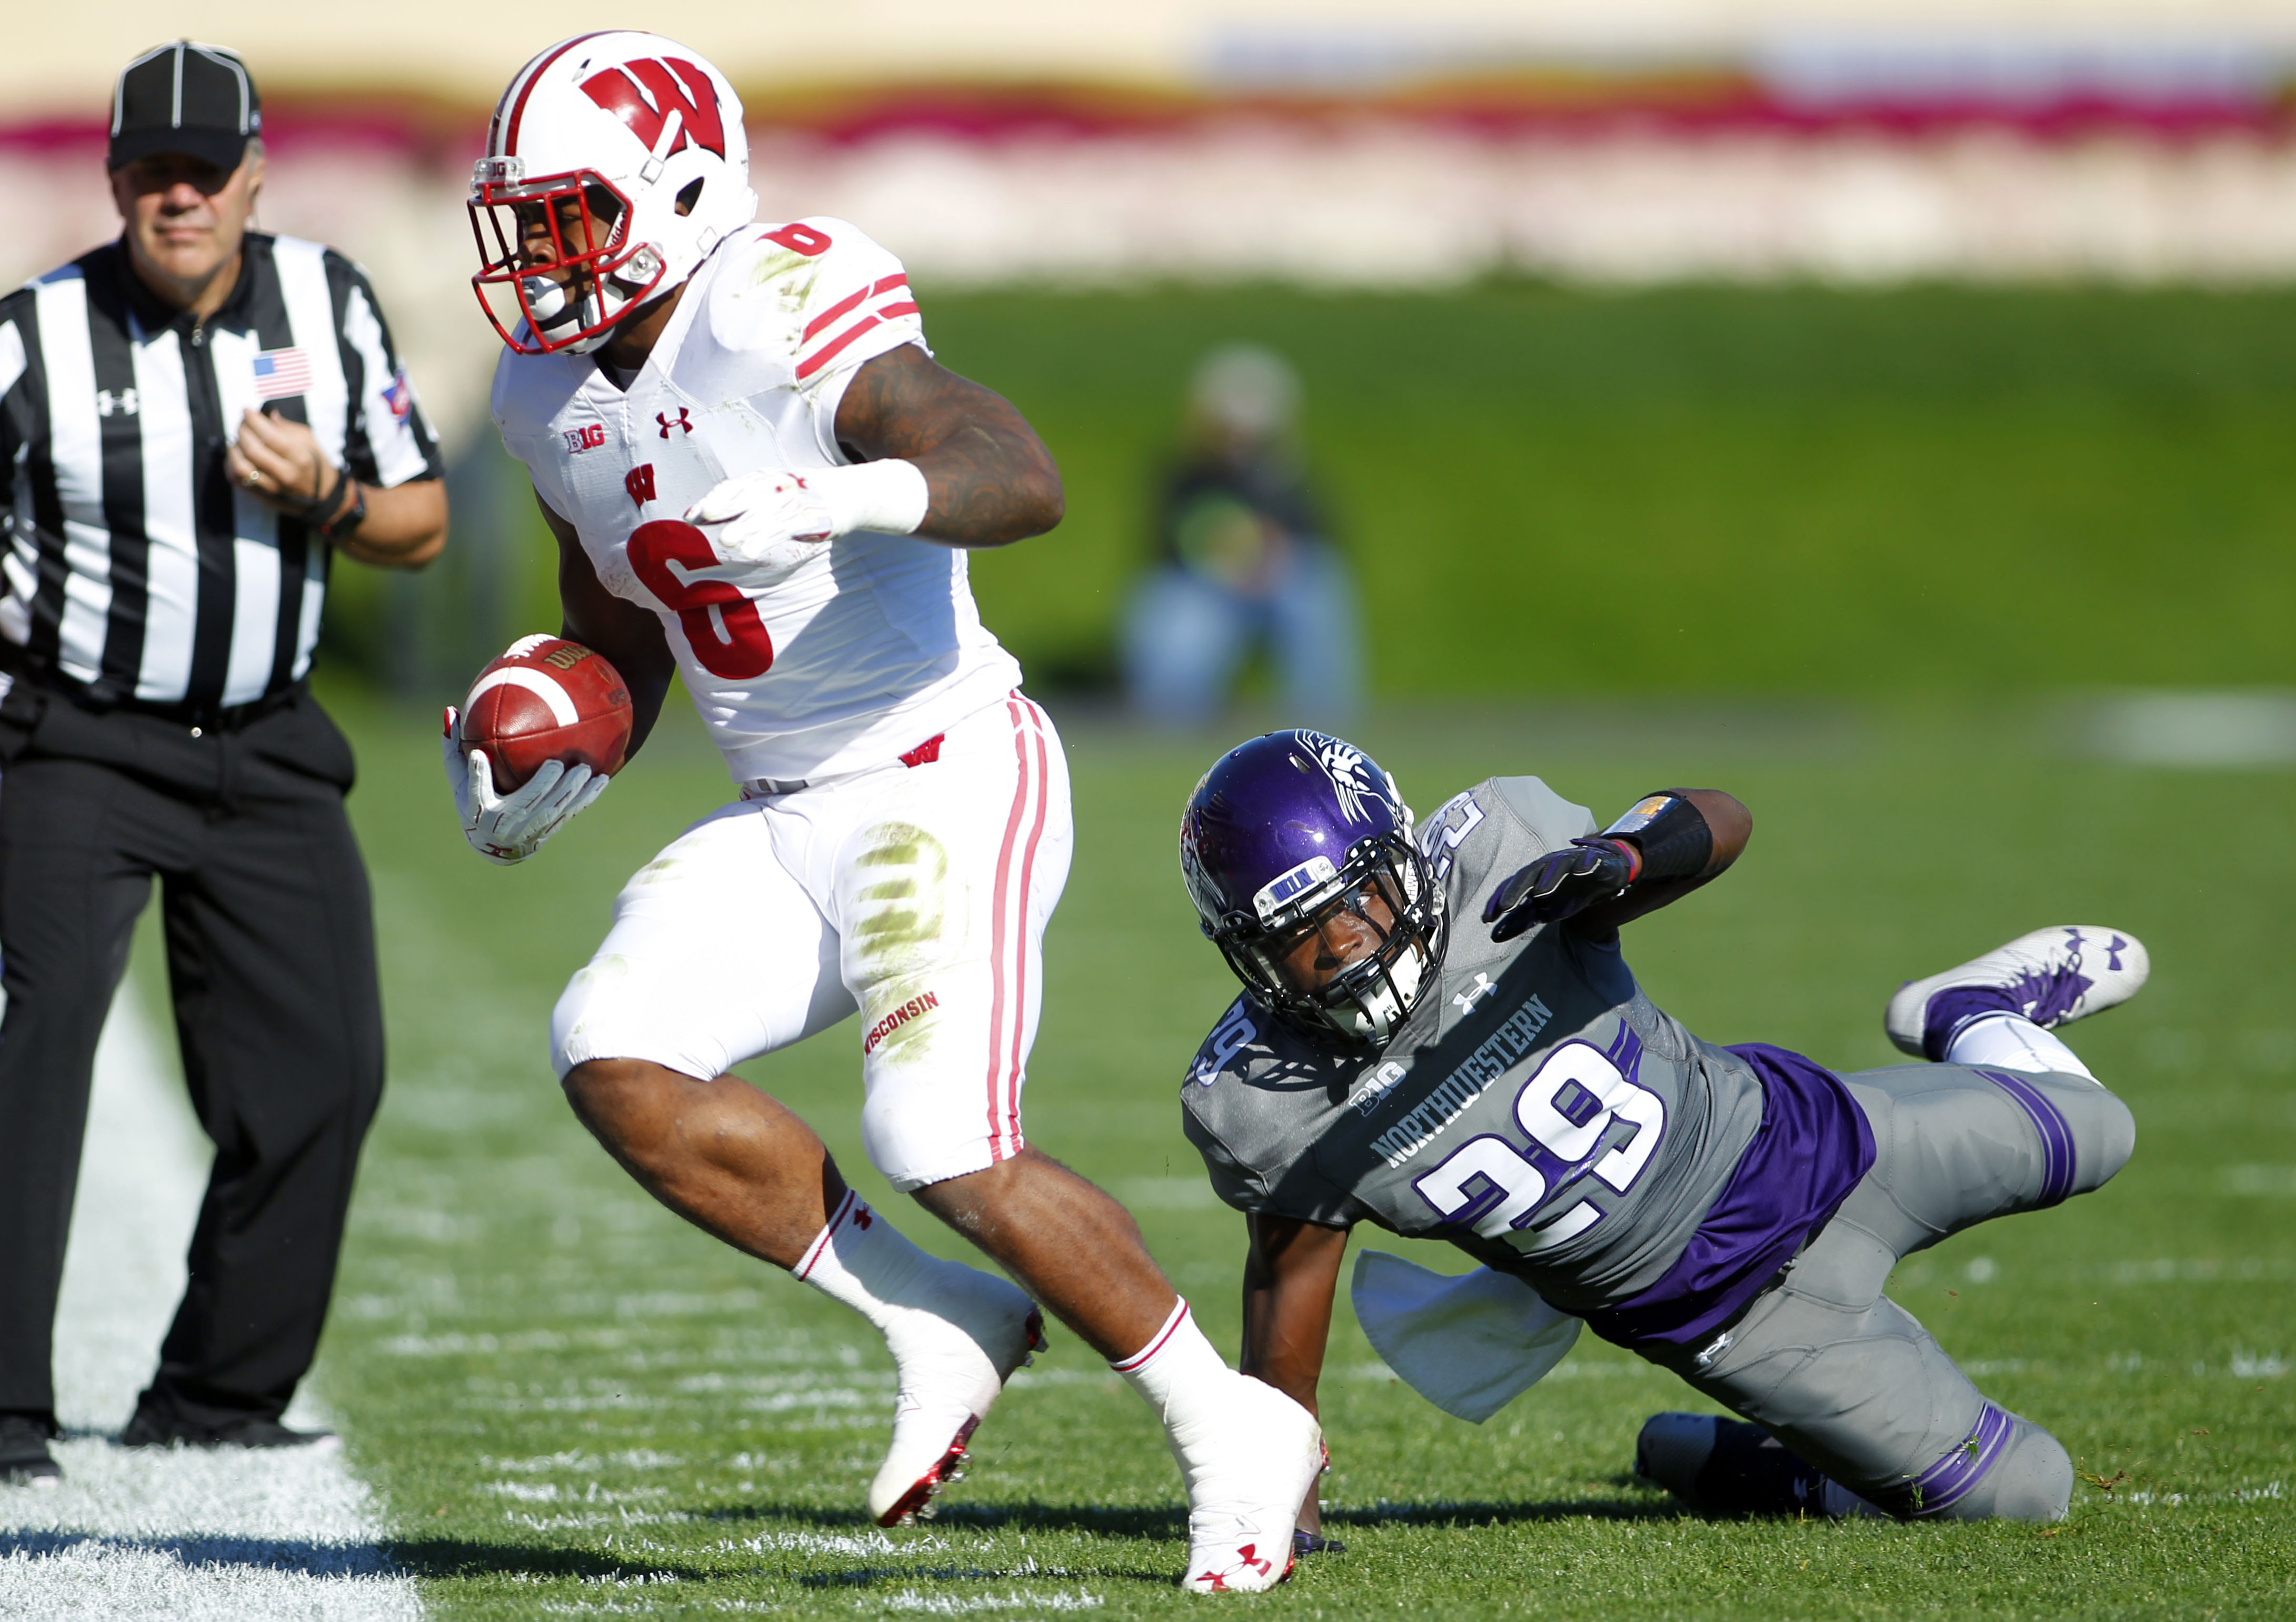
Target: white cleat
(1245, 1486)
(2053, 976)
(953, 1363)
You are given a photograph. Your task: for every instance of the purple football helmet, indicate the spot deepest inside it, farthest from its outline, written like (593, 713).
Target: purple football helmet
(1284, 835)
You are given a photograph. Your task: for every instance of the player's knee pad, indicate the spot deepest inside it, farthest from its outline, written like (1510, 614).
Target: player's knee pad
(2116, 1141)
(2081, 1134)
(650, 994)
(2103, 1132)
(944, 1078)
(917, 1139)
(944, 1057)
(616, 1007)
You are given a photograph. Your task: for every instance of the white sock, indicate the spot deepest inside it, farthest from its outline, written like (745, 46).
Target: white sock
(862, 1260)
(2012, 1042)
(1177, 1372)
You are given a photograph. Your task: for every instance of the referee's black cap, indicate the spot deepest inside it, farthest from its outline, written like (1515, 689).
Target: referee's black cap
(186, 97)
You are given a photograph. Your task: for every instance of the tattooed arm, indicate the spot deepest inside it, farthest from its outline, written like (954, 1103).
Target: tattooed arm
(989, 480)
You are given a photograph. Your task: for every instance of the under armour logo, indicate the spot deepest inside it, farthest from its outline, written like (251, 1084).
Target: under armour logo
(861, 1216)
(1246, 1560)
(125, 402)
(668, 422)
(1481, 988)
(2112, 953)
(639, 482)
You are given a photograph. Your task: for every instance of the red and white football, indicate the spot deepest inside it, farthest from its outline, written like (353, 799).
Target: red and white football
(547, 699)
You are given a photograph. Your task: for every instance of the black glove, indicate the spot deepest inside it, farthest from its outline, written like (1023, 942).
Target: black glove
(1560, 884)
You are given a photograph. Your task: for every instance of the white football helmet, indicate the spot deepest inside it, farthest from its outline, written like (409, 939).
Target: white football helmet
(615, 164)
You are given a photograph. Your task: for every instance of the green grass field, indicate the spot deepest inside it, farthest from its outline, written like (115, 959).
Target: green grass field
(572, 1404)
(1745, 490)
(1699, 490)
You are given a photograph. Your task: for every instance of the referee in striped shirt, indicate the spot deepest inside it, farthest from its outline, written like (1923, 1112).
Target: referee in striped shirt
(194, 422)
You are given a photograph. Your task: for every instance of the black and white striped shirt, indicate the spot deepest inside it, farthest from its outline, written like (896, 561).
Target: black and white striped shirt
(136, 569)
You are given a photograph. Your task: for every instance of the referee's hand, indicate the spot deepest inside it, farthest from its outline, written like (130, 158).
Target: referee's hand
(280, 461)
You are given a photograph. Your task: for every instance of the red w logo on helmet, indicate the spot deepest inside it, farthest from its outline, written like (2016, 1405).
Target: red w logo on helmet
(688, 94)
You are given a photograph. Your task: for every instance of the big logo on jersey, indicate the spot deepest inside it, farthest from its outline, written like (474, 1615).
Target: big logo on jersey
(646, 94)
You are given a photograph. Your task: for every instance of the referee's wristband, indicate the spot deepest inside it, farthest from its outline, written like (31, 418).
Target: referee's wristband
(347, 517)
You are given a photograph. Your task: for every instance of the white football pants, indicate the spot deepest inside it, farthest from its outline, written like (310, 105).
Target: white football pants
(917, 894)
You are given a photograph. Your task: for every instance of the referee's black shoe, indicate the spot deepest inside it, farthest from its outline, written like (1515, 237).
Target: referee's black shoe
(24, 1457)
(153, 1428)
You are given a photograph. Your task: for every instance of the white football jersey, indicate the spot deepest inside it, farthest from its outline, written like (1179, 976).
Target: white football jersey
(859, 649)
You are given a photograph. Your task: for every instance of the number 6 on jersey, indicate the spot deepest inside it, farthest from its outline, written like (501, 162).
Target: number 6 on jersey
(728, 637)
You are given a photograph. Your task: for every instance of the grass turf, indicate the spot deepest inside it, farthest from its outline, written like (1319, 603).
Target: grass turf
(1682, 490)
(572, 1404)
(1742, 489)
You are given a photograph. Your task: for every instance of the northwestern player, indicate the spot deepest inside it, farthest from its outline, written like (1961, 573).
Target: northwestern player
(760, 481)
(1442, 1038)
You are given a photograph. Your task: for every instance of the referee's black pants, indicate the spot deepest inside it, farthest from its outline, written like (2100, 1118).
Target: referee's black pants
(271, 959)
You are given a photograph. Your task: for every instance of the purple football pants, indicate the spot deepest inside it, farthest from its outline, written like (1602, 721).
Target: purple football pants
(1849, 1380)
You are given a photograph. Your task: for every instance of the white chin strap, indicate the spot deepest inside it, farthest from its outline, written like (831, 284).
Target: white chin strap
(547, 302)
(545, 299)
(1375, 1013)
(1408, 970)
(552, 309)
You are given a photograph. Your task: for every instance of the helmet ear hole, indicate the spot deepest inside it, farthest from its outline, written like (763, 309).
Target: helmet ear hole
(688, 195)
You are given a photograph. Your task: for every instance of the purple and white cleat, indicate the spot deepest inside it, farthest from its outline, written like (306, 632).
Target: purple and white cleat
(2051, 976)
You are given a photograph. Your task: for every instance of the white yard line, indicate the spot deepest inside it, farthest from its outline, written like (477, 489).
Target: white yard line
(231, 1534)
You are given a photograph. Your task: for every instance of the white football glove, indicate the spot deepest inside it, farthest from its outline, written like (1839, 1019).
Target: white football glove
(508, 829)
(770, 521)
(776, 520)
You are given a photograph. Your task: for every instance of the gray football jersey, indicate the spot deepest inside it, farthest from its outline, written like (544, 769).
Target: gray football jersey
(1536, 1108)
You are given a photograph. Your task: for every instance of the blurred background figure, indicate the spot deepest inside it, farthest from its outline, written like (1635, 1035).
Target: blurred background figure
(1244, 561)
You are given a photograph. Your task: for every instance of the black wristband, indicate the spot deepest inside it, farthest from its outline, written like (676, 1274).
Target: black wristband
(315, 509)
(344, 521)
(1671, 833)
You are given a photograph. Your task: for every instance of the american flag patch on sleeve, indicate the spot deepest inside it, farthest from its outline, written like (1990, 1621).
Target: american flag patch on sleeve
(280, 373)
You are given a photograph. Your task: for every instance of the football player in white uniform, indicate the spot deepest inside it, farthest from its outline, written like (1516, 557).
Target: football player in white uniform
(760, 479)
